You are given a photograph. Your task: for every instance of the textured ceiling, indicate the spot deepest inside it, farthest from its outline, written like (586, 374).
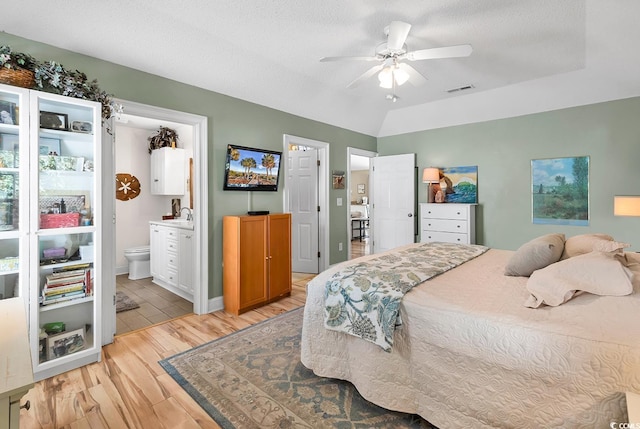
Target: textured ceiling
(528, 55)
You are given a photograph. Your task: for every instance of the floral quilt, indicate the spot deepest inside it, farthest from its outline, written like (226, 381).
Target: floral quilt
(363, 299)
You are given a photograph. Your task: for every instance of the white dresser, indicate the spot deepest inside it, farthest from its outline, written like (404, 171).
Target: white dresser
(448, 222)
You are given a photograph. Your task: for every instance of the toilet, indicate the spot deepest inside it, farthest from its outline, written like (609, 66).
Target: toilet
(139, 262)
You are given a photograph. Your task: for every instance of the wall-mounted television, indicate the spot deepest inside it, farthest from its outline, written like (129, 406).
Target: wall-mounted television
(250, 169)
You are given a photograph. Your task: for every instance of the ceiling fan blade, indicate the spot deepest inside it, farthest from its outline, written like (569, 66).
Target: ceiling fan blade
(398, 32)
(364, 76)
(329, 59)
(415, 77)
(436, 53)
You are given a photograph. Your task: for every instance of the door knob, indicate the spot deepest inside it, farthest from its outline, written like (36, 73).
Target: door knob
(410, 215)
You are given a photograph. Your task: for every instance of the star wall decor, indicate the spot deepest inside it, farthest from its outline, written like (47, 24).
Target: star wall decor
(127, 186)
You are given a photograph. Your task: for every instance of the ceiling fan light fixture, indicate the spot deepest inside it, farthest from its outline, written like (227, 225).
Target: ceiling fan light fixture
(400, 76)
(392, 74)
(386, 78)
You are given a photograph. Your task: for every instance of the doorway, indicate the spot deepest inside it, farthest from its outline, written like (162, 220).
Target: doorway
(359, 219)
(194, 128)
(309, 218)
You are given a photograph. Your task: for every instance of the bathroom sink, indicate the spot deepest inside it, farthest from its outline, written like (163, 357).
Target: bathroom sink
(181, 223)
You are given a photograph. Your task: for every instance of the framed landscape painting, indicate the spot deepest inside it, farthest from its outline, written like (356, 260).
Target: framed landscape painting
(560, 191)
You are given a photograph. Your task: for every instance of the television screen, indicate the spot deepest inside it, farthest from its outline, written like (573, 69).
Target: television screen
(249, 169)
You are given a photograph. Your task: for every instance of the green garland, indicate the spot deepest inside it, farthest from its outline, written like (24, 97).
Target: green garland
(52, 77)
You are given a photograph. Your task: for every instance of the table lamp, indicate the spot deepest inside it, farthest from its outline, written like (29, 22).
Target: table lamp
(626, 205)
(430, 175)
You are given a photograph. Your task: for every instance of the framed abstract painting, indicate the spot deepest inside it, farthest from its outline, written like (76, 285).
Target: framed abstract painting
(460, 184)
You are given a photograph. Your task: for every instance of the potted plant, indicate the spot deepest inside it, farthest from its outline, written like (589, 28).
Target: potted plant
(16, 68)
(165, 137)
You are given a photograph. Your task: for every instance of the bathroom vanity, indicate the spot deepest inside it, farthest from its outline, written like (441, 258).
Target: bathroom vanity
(172, 251)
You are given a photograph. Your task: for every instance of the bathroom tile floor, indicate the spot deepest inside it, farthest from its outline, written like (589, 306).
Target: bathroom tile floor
(159, 305)
(156, 304)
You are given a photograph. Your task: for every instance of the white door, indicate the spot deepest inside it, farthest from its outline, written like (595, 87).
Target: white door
(108, 235)
(303, 203)
(393, 201)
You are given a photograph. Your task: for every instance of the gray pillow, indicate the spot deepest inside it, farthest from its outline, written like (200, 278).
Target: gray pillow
(537, 253)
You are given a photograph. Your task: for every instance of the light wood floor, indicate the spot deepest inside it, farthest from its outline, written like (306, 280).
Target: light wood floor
(360, 248)
(128, 388)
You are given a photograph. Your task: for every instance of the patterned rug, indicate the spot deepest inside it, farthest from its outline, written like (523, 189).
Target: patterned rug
(124, 303)
(254, 379)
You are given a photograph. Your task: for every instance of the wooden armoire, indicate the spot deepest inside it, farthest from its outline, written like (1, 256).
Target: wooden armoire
(256, 260)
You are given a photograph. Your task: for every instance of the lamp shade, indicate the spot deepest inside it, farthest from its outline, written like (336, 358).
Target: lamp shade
(386, 78)
(392, 74)
(624, 205)
(400, 76)
(431, 175)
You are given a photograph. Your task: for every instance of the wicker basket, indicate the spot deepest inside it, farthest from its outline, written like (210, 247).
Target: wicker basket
(20, 77)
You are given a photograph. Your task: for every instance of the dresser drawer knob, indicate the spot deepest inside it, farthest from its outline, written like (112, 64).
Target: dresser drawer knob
(458, 226)
(458, 212)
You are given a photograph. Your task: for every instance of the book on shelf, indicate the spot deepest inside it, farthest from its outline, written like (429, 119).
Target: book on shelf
(61, 281)
(54, 299)
(66, 273)
(71, 268)
(67, 283)
(88, 281)
(72, 287)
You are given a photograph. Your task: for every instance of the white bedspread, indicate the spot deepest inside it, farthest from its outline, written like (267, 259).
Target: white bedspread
(470, 355)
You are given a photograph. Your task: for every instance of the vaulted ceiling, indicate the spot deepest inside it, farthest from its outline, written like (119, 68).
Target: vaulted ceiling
(528, 55)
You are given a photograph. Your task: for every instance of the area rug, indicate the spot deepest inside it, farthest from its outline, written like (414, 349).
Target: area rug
(124, 303)
(253, 378)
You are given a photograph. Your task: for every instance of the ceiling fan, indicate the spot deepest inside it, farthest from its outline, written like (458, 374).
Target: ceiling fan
(393, 71)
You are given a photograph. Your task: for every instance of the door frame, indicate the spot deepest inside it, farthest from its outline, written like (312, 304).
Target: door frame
(368, 154)
(323, 190)
(200, 211)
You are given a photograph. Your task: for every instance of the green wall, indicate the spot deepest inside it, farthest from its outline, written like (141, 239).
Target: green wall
(609, 133)
(503, 149)
(230, 120)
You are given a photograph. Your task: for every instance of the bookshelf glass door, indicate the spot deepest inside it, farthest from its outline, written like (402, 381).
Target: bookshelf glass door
(14, 170)
(65, 190)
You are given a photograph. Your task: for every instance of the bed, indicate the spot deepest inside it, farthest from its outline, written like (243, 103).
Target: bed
(470, 354)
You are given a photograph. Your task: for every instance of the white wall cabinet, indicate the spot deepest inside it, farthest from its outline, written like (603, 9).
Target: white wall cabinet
(168, 175)
(448, 222)
(45, 220)
(172, 264)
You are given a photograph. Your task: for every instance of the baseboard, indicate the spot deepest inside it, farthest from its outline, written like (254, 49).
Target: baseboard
(215, 304)
(122, 270)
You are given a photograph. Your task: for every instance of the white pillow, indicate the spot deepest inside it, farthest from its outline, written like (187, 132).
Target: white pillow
(535, 254)
(599, 273)
(585, 243)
